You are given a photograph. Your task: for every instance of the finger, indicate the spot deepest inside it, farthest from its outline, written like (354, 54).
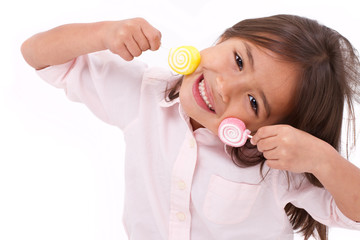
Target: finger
(266, 144)
(271, 155)
(274, 164)
(152, 35)
(263, 132)
(141, 40)
(123, 52)
(133, 48)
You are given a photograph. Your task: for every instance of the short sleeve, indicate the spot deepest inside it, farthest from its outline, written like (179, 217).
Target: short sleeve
(318, 202)
(109, 86)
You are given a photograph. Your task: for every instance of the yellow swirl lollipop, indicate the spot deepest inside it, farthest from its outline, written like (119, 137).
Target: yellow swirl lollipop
(184, 60)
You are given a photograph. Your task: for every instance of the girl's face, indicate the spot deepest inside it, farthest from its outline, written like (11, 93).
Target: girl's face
(238, 79)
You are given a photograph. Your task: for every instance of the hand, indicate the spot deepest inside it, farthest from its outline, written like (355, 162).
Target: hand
(129, 38)
(288, 148)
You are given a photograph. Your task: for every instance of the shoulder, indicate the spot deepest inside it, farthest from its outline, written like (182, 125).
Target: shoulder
(159, 75)
(158, 80)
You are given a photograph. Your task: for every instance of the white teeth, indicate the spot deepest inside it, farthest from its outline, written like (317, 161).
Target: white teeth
(203, 94)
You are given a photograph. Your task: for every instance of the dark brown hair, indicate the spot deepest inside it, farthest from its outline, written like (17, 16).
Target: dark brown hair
(328, 79)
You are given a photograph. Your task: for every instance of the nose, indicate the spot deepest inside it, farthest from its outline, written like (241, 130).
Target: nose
(227, 86)
(228, 82)
(222, 89)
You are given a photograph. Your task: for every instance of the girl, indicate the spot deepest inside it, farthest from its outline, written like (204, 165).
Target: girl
(286, 77)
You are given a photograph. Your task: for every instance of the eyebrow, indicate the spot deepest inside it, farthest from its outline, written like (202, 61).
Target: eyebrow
(249, 54)
(266, 103)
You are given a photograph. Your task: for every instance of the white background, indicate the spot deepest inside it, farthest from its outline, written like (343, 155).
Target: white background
(61, 169)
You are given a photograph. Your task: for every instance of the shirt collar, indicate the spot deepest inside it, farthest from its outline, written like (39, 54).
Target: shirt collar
(211, 138)
(164, 103)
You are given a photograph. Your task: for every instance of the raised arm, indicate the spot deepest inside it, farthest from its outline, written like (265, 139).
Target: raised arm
(127, 38)
(290, 149)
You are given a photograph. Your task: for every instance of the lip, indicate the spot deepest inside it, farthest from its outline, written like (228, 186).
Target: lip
(209, 94)
(199, 100)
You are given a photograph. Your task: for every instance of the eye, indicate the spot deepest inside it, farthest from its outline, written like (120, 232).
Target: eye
(239, 61)
(253, 104)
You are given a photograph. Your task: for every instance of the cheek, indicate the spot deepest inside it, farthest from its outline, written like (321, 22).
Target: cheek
(284, 100)
(214, 59)
(239, 107)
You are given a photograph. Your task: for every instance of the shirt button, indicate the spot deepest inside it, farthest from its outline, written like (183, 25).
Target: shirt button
(180, 216)
(192, 143)
(181, 185)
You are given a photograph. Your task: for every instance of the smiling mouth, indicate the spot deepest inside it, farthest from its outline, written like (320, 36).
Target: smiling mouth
(204, 96)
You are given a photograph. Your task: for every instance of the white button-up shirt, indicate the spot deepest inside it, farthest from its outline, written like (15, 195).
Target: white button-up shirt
(181, 184)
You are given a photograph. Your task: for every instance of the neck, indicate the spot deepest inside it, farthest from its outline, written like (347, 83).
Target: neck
(195, 125)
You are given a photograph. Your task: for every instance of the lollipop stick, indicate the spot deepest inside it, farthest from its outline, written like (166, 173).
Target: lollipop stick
(165, 47)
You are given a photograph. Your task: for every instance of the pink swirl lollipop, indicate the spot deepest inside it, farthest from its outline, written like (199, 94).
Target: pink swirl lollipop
(233, 132)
